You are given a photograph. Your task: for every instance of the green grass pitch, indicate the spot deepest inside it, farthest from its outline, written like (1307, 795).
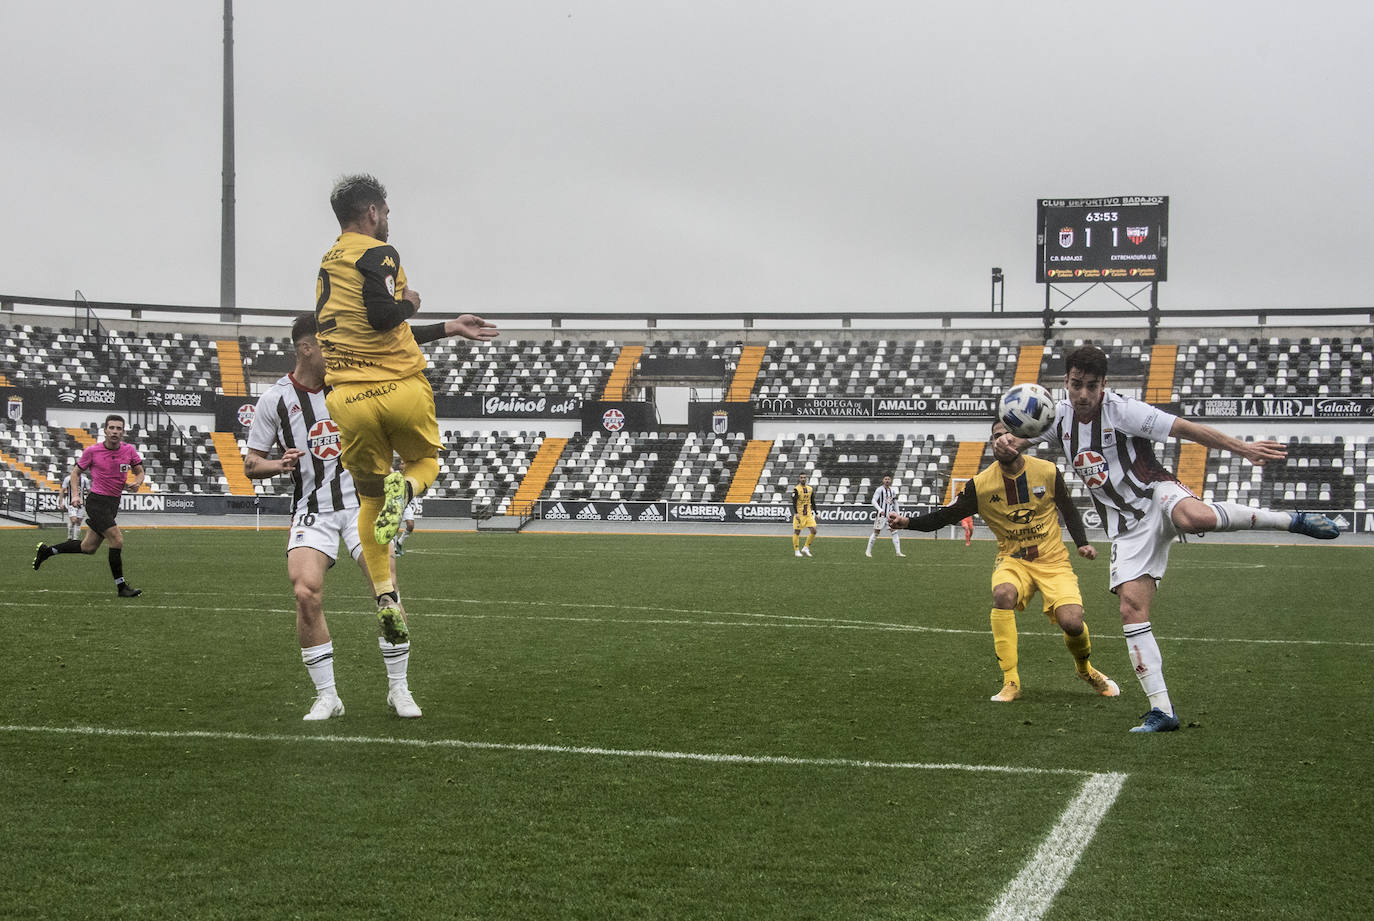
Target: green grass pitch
(675, 727)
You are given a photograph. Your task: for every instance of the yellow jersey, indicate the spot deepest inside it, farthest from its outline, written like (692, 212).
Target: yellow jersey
(1022, 510)
(362, 313)
(801, 500)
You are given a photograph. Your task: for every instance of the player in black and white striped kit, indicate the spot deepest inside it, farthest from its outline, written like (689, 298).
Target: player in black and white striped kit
(292, 414)
(885, 503)
(1108, 439)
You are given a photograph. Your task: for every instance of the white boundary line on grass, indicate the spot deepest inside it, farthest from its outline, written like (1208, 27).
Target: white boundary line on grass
(756, 620)
(1029, 895)
(708, 757)
(1027, 898)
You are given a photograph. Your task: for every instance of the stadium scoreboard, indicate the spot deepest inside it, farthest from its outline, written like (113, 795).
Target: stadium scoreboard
(1120, 239)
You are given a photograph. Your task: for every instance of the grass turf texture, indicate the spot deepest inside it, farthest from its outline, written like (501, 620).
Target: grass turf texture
(713, 645)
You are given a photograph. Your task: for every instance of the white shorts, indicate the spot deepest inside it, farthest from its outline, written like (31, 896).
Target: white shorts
(414, 509)
(1144, 549)
(73, 511)
(322, 531)
(880, 522)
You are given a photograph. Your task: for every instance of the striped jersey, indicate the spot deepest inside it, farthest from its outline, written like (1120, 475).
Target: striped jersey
(1114, 456)
(885, 500)
(802, 496)
(294, 416)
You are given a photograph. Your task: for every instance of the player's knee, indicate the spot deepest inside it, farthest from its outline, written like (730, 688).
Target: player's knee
(1004, 596)
(309, 595)
(1070, 618)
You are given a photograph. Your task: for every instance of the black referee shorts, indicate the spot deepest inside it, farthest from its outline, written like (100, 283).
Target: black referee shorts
(101, 511)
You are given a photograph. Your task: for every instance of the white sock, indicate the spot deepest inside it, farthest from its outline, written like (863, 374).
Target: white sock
(401, 537)
(395, 658)
(1233, 517)
(319, 662)
(1149, 664)
(896, 542)
(871, 538)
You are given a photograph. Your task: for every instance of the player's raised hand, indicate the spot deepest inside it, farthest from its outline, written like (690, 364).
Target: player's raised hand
(471, 326)
(1261, 452)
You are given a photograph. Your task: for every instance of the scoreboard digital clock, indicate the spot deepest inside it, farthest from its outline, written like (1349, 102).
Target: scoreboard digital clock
(1121, 239)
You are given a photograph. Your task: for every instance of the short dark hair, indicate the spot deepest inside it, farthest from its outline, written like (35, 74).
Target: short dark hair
(1087, 358)
(353, 195)
(303, 327)
(112, 417)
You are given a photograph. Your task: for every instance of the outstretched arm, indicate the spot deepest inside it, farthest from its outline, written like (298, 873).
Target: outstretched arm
(469, 326)
(960, 508)
(1256, 452)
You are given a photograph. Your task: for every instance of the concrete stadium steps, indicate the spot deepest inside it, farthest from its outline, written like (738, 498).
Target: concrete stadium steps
(618, 384)
(968, 460)
(1028, 362)
(746, 374)
(1159, 385)
(537, 477)
(1192, 466)
(231, 462)
(231, 378)
(746, 478)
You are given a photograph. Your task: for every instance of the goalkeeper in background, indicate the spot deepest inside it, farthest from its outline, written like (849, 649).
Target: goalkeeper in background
(379, 395)
(1021, 499)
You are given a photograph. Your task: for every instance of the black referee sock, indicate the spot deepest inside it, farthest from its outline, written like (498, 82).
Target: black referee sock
(117, 564)
(67, 546)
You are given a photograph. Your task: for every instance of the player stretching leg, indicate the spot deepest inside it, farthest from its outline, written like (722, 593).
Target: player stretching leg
(1108, 440)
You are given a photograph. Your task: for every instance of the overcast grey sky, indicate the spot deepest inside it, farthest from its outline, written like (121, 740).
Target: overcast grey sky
(642, 155)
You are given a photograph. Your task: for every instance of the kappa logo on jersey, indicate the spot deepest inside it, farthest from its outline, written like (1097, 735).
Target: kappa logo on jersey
(324, 439)
(1091, 468)
(246, 412)
(613, 420)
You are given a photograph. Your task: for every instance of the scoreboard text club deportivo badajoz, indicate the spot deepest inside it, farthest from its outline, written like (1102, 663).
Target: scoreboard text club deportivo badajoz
(1120, 239)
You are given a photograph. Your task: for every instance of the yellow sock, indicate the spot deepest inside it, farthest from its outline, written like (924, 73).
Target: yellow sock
(796, 542)
(376, 556)
(421, 473)
(1004, 642)
(809, 538)
(1080, 647)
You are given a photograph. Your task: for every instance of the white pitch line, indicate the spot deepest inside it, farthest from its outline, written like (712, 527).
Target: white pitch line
(707, 757)
(1030, 894)
(762, 620)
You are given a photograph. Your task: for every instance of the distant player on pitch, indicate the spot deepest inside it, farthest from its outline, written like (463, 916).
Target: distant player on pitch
(1108, 439)
(803, 515)
(885, 504)
(1021, 499)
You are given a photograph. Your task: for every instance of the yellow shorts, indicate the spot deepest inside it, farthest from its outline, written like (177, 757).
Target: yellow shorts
(1056, 582)
(382, 418)
(803, 521)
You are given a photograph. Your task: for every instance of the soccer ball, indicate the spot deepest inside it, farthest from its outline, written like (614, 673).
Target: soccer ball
(1026, 410)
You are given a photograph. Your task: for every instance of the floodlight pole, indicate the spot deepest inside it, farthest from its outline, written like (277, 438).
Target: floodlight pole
(227, 296)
